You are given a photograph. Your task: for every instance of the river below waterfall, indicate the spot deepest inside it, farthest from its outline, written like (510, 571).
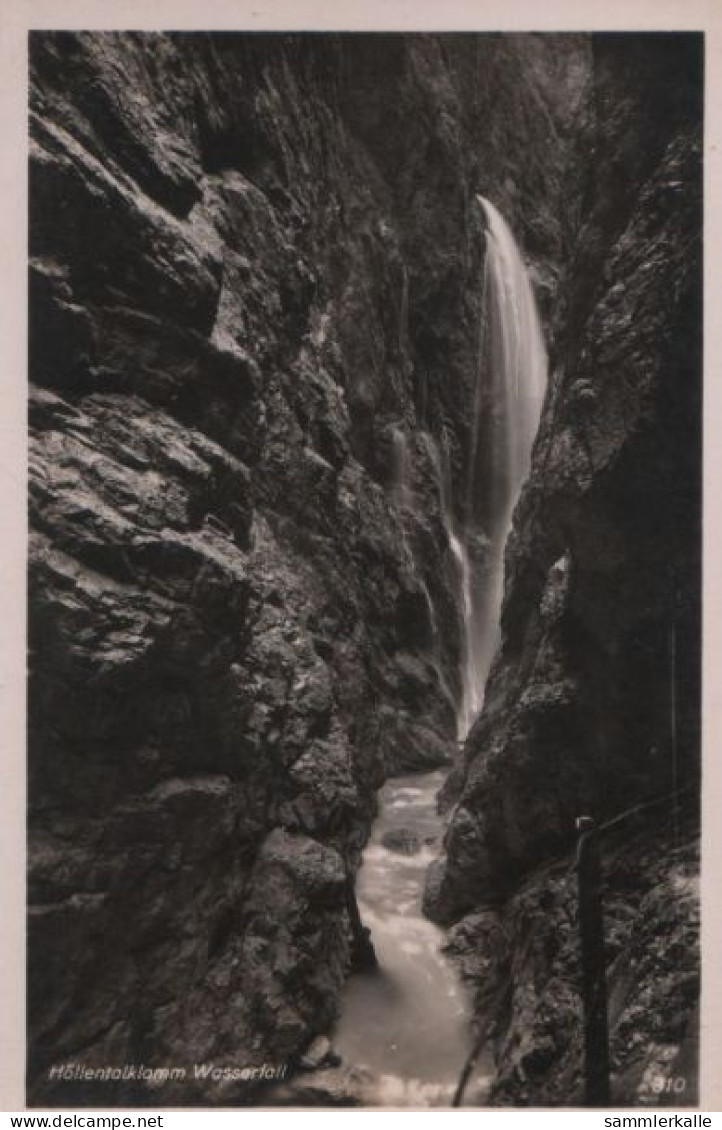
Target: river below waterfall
(407, 1023)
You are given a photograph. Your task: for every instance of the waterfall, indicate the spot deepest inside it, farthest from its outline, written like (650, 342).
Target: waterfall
(507, 401)
(506, 405)
(512, 358)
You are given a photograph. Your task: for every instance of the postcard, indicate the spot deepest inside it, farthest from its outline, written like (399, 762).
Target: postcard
(362, 747)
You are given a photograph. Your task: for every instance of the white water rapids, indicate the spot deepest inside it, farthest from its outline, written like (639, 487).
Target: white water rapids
(408, 1022)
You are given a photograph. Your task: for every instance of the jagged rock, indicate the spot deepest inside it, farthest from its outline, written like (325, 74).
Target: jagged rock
(328, 1087)
(606, 538)
(480, 946)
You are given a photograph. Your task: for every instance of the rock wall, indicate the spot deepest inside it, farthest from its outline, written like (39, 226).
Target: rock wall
(255, 290)
(255, 269)
(593, 702)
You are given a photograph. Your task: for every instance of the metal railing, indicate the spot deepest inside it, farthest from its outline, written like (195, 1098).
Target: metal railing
(588, 866)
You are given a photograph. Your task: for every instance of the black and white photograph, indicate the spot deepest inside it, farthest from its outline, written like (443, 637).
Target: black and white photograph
(364, 568)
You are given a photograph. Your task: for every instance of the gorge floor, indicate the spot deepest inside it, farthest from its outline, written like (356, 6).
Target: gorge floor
(409, 1022)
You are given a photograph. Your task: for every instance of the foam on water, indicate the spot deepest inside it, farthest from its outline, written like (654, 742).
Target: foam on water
(409, 1022)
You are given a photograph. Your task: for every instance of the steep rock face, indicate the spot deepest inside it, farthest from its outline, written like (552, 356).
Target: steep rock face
(254, 263)
(522, 963)
(593, 701)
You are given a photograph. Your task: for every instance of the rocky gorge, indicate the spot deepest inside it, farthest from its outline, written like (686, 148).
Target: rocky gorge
(255, 297)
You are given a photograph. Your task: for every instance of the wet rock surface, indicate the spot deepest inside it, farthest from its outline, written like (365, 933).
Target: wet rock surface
(251, 259)
(325, 1087)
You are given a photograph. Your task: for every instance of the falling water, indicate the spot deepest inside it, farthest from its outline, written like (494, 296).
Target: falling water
(512, 357)
(518, 367)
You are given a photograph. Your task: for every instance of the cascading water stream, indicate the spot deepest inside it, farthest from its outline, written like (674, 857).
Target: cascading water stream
(403, 495)
(400, 468)
(517, 365)
(408, 1022)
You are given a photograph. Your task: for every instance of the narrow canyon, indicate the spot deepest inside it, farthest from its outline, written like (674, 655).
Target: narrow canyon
(365, 419)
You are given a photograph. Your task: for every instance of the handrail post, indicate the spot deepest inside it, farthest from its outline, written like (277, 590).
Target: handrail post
(594, 987)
